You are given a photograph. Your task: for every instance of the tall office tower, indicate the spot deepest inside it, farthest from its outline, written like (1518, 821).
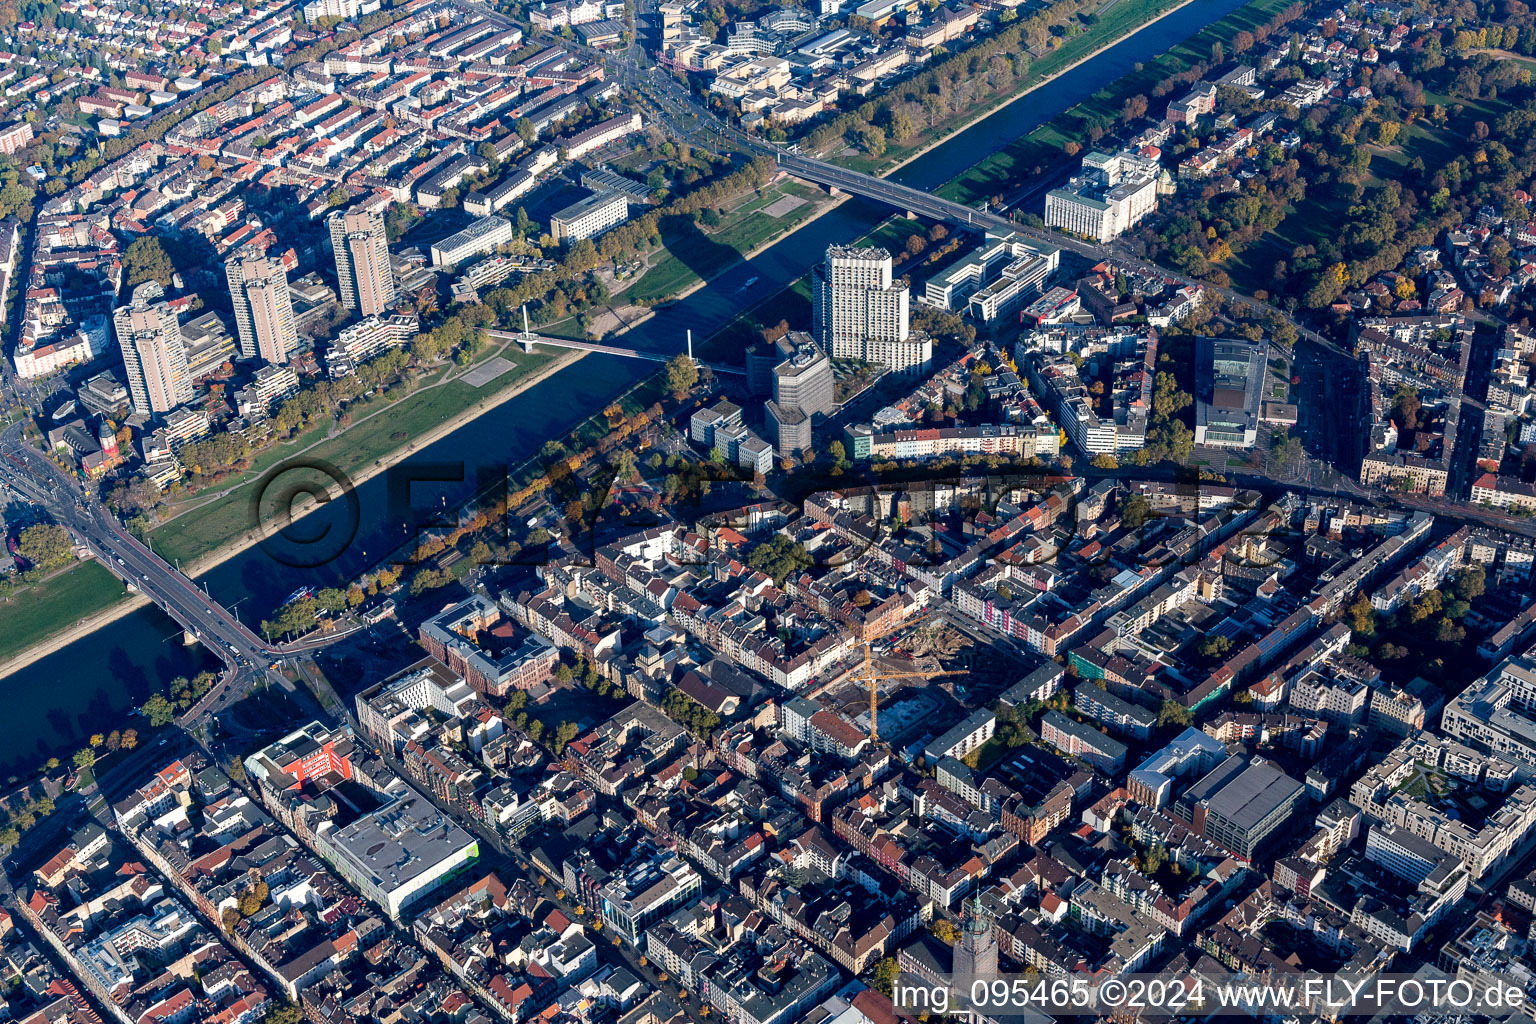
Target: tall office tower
(976, 949)
(858, 312)
(362, 262)
(802, 389)
(258, 287)
(154, 357)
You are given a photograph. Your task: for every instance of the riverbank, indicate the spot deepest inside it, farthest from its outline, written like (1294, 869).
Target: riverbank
(886, 168)
(252, 536)
(36, 644)
(1042, 150)
(87, 596)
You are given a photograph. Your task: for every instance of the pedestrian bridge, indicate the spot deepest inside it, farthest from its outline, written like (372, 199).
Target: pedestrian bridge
(528, 340)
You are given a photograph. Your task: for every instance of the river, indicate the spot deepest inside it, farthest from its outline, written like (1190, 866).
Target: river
(58, 701)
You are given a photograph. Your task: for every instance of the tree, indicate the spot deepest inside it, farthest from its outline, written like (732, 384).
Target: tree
(1173, 713)
(285, 1013)
(1215, 646)
(1105, 461)
(1469, 583)
(145, 259)
(1405, 406)
(682, 374)
(945, 931)
(46, 545)
(1286, 449)
(1134, 511)
(1362, 617)
(884, 977)
(778, 557)
(158, 710)
(85, 758)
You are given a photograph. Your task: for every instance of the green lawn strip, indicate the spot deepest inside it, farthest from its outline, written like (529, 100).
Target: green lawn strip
(1122, 19)
(740, 231)
(269, 457)
(205, 529)
(1043, 149)
(55, 605)
(259, 464)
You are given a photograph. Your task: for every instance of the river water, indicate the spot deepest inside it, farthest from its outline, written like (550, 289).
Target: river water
(57, 702)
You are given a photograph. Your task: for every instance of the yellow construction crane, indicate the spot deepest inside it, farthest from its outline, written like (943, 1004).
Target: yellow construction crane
(872, 676)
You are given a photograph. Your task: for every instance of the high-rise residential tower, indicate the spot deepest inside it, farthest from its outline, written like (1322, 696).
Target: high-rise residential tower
(362, 262)
(859, 312)
(258, 288)
(154, 357)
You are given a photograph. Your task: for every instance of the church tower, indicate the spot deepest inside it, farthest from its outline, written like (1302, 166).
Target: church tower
(976, 950)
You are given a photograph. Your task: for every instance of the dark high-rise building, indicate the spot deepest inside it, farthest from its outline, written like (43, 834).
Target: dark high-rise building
(802, 388)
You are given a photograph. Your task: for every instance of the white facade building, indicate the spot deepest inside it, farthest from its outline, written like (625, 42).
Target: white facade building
(858, 312)
(1111, 196)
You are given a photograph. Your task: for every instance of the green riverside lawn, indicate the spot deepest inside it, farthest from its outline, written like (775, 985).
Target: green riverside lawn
(1045, 147)
(55, 605)
(209, 527)
(1124, 18)
(741, 230)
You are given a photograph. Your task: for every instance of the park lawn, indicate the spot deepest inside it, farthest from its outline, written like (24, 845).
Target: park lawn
(269, 457)
(738, 233)
(1124, 18)
(204, 530)
(1312, 221)
(56, 604)
(1044, 148)
(1317, 217)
